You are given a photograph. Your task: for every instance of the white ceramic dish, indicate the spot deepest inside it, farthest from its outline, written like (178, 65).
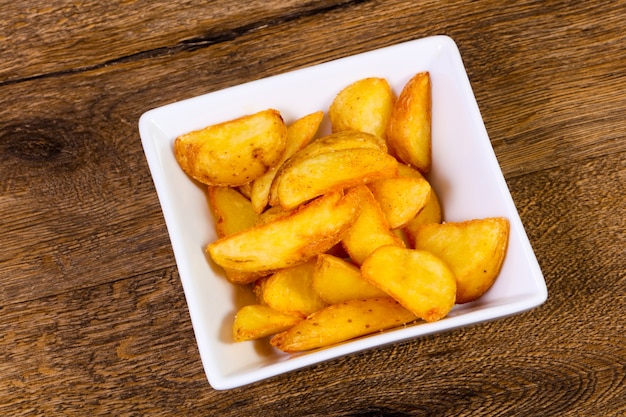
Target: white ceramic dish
(465, 175)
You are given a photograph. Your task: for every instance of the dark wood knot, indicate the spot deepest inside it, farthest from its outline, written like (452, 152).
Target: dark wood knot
(25, 145)
(48, 142)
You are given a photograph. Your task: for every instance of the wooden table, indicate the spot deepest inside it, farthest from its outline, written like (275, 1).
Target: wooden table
(93, 316)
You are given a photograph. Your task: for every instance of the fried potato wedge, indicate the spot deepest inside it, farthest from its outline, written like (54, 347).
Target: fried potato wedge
(340, 322)
(257, 290)
(290, 290)
(401, 198)
(234, 152)
(255, 321)
(233, 213)
(340, 141)
(403, 236)
(409, 128)
(370, 230)
(474, 250)
(407, 171)
(432, 211)
(364, 105)
(331, 171)
(418, 280)
(336, 280)
(271, 214)
(299, 134)
(245, 189)
(289, 240)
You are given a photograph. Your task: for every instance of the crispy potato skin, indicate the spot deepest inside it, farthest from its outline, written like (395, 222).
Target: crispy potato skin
(255, 321)
(363, 106)
(232, 210)
(340, 322)
(290, 239)
(331, 171)
(336, 280)
(430, 213)
(338, 141)
(401, 198)
(370, 230)
(290, 290)
(299, 134)
(233, 213)
(409, 128)
(336, 161)
(418, 280)
(474, 250)
(235, 152)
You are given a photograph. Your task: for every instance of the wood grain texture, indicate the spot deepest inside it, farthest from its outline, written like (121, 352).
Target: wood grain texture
(92, 314)
(56, 37)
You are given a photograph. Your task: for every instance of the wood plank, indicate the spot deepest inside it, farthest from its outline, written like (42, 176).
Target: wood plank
(80, 347)
(100, 33)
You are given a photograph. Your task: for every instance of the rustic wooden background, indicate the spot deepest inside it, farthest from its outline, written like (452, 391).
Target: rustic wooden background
(92, 313)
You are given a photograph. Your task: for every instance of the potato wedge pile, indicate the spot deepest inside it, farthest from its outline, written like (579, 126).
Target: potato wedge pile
(338, 235)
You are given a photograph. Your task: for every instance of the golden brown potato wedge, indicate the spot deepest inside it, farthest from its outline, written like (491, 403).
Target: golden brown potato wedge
(256, 321)
(340, 141)
(234, 152)
(418, 280)
(257, 290)
(407, 171)
(364, 105)
(340, 322)
(245, 189)
(409, 128)
(290, 290)
(370, 230)
(337, 280)
(401, 198)
(271, 214)
(233, 213)
(403, 236)
(473, 249)
(299, 134)
(289, 240)
(331, 171)
(432, 211)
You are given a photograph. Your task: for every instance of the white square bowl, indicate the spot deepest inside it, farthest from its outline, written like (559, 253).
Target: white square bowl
(465, 175)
